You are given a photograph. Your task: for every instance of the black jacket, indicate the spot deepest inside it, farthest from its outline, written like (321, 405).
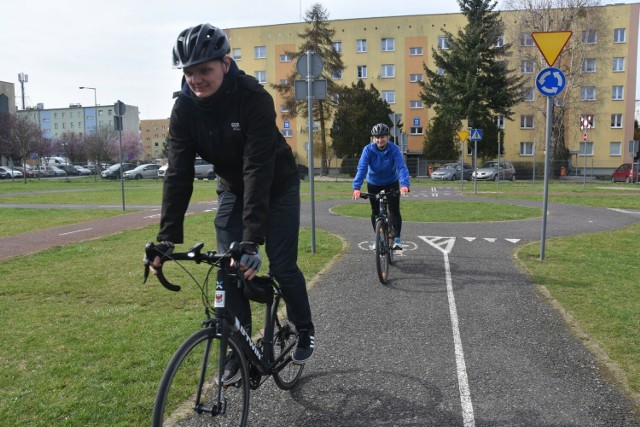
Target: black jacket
(235, 130)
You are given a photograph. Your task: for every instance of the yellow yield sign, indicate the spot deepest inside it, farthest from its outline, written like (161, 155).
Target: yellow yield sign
(463, 135)
(551, 44)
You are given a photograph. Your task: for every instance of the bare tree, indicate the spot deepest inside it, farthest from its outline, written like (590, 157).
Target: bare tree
(19, 137)
(578, 60)
(318, 38)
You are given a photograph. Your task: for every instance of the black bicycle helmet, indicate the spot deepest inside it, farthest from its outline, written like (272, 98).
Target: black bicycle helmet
(380, 130)
(200, 44)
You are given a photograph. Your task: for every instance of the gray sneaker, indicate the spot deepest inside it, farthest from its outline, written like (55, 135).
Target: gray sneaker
(397, 244)
(306, 344)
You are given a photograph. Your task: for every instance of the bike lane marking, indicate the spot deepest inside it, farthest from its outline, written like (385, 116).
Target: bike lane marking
(444, 245)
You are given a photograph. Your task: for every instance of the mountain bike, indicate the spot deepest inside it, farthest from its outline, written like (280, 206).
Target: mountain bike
(384, 234)
(192, 386)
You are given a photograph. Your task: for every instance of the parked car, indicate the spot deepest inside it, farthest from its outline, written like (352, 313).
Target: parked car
(451, 172)
(148, 170)
(42, 171)
(113, 172)
(69, 169)
(56, 170)
(303, 172)
(162, 170)
(623, 173)
(82, 170)
(494, 170)
(92, 168)
(8, 173)
(26, 171)
(203, 169)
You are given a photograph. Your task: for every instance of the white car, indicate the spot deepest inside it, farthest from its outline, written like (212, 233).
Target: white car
(8, 173)
(162, 171)
(148, 170)
(82, 170)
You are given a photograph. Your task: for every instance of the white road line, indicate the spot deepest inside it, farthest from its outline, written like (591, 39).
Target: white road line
(445, 247)
(76, 231)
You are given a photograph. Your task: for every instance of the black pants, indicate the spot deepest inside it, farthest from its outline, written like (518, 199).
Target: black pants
(393, 204)
(281, 246)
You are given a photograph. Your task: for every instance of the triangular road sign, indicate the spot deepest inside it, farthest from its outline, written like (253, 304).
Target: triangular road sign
(463, 135)
(551, 44)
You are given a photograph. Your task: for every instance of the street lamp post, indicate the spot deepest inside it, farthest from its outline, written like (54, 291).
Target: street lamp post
(95, 132)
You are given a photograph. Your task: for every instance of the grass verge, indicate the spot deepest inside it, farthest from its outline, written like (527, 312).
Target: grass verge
(85, 342)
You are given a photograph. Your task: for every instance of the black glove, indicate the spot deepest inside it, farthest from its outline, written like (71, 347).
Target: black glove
(250, 258)
(164, 249)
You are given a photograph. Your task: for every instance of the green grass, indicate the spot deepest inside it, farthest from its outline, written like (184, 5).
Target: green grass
(23, 220)
(85, 342)
(594, 277)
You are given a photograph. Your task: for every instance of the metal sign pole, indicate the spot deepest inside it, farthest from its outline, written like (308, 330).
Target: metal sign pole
(311, 168)
(545, 198)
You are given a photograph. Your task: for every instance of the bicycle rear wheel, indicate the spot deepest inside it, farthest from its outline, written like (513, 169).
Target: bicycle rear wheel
(284, 344)
(188, 389)
(382, 250)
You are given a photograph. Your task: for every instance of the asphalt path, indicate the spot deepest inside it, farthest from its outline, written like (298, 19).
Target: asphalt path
(459, 337)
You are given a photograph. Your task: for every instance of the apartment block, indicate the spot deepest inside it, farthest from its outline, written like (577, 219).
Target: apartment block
(153, 134)
(389, 52)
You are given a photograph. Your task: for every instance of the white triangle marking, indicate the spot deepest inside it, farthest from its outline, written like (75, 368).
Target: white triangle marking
(469, 239)
(490, 239)
(512, 240)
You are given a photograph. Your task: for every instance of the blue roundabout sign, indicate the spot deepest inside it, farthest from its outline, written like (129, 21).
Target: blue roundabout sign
(551, 81)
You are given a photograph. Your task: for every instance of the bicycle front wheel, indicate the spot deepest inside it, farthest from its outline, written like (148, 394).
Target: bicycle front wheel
(284, 344)
(390, 251)
(189, 393)
(382, 250)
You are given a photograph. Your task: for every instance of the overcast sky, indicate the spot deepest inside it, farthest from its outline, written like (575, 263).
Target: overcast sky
(123, 48)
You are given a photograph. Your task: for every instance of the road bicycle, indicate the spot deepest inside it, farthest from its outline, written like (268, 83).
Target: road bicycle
(192, 386)
(384, 234)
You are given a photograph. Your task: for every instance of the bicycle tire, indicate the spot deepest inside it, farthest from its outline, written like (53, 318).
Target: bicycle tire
(382, 258)
(175, 402)
(284, 344)
(390, 243)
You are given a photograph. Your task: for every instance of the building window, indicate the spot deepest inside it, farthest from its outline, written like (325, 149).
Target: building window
(388, 45)
(388, 71)
(526, 39)
(287, 133)
(589, 37)
(615, 149)
(337, 47)
(336, 74)
(361, 45)
(286, 57)
(526, 66)
(415, 51)
(260, 52)
(588, 146)
(389, 96)
(526, 122)
(617, 93)
(362, 71)
(413, 78)
(500, 41)
(415, 105)
(284, 108)
(529, 94)
(236, 54)
(261, 76)
(416, 131)
(618, 64)
(589, 65)
(526, 148)
(616, 121)
(499, 121)
(443, 42)
(619, 35)
(588, 93)
(441, 71)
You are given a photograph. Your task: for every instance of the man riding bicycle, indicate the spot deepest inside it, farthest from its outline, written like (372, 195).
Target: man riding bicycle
(384, 168)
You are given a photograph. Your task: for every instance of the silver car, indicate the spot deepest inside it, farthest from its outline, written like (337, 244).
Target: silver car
(148, 170)
(494, 170)
(451, 172)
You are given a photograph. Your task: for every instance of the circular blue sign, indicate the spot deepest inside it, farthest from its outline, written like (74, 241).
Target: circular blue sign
(550, 81)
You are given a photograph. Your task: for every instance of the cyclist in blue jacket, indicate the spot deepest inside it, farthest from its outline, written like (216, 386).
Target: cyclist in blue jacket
(384, 168)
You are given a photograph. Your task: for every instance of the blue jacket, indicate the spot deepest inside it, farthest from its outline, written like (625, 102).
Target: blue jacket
(381, 167)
